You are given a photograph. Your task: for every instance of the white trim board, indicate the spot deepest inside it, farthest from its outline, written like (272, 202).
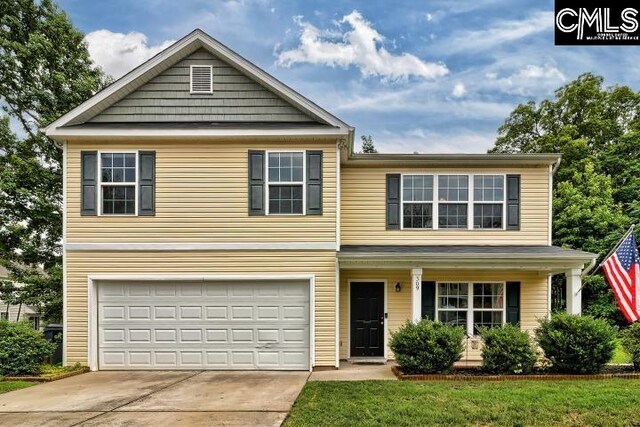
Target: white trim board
(312, 246)
(92, 301)
(80, 133)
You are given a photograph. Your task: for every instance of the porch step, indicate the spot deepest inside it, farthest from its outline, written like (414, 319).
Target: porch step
(368, 360)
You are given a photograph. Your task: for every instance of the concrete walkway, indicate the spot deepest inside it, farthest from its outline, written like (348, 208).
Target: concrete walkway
(350, 372)
(163, 398)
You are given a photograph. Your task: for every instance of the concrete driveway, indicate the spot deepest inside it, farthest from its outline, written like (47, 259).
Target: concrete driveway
(142, 398)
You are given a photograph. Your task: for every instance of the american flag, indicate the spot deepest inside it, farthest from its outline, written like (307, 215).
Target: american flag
(622, 270)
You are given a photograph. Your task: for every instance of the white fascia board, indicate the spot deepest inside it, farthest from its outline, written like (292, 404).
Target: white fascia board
(83, 133)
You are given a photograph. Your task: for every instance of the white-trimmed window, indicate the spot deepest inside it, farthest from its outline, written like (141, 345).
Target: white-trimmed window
(201, 79)
(118, 183)
(488, 201)
(285, 182)
(417, 201)
(453, 198)
(488, 305)
(453, 303)
(473, 305)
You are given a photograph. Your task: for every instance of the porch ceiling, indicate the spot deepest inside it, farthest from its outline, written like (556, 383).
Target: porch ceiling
(547, 259)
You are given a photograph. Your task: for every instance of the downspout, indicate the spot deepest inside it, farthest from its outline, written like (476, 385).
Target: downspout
(588, 268)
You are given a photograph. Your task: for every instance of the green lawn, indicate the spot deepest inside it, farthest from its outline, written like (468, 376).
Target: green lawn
(619, 355)
(6, 386)
(614, 402)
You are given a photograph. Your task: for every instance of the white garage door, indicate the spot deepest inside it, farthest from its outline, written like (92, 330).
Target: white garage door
(196, 325)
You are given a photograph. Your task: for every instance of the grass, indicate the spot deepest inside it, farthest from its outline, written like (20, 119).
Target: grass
(619, 355)
(53, 370)
(613, 402)
(6, 386)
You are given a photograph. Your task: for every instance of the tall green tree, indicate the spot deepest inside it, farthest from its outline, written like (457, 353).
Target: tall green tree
(597, 187)
(45, 70)
(367, 145)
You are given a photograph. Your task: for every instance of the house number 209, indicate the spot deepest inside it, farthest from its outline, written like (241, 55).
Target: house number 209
(417, 284)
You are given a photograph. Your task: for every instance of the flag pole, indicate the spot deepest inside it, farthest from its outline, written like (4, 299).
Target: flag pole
(614, 248)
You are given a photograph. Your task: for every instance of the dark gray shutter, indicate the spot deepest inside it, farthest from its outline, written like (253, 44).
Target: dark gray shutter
(147, 183)
(513, 202)
(89, 184)
(429, 300)
(314, 182)
(393, 201)
(256, 182)
(513, 303)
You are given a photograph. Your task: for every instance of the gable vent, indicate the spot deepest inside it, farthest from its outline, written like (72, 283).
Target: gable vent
(201, 79)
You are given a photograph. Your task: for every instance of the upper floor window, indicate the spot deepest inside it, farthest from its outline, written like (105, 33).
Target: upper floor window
(285, 182)
(453, 201)
(488, 197)
(417, 201)
(453, 195)
(118, 183)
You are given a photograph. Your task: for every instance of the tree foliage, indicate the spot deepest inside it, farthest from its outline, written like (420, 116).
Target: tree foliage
(597, 186)
(367, 145)
(45, 70)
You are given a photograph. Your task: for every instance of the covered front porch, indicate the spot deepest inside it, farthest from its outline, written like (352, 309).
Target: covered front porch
(381, 287)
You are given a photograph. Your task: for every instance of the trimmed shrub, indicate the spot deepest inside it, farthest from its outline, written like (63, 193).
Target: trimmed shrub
(631, 343)
(576, 344)
(427, 347)
(507, 350)
(22, 349)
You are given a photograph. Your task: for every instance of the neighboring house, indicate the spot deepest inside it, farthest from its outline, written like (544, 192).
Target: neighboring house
(18, 312)
(217, 219)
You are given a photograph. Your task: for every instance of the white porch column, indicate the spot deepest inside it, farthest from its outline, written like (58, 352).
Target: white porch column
(416, 294)
(574, 291)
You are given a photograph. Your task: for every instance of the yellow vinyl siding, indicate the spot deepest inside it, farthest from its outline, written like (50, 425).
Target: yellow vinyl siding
(533, 297)
(201, 197)
(363, 210)
(319, 263)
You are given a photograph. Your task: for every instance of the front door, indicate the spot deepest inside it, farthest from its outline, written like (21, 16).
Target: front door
(367, 319)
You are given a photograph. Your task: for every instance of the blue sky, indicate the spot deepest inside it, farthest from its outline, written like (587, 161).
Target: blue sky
(419, 76)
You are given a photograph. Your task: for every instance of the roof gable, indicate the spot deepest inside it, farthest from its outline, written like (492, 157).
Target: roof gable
(117, 102)
(235, 98)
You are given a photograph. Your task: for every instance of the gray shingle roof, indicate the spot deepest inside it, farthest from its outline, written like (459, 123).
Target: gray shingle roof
(465, 251)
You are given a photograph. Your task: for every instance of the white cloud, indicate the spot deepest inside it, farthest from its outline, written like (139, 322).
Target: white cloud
(458, 90)
(498, 33)
(360, 46)
(119, 53)
(531, 80)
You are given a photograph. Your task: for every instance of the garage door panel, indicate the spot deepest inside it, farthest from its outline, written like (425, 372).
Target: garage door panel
(204, 325)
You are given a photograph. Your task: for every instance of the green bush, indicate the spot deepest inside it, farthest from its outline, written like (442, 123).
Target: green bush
(631, 343)
(22, 350)
(427, 346)
(507, 350)
(576, 344)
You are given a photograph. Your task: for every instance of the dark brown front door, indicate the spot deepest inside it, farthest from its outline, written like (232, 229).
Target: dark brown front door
(367, 319)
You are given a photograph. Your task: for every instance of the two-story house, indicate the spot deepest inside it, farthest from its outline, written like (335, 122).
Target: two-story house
(216, 219)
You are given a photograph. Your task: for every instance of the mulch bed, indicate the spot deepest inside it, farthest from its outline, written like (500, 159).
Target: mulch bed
(476, 374)
(48, 378)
